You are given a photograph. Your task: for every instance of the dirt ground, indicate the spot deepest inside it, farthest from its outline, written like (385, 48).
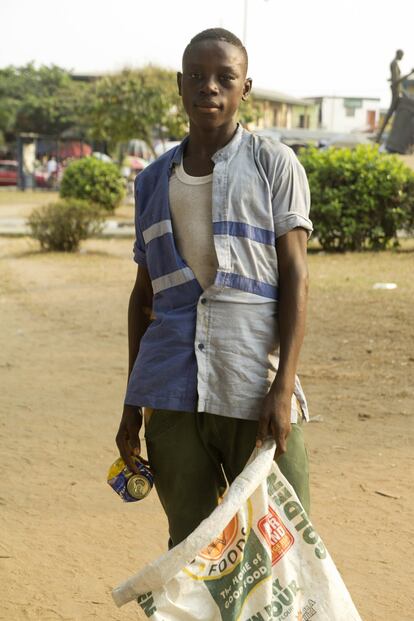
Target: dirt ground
(16, 204)
(66, 538)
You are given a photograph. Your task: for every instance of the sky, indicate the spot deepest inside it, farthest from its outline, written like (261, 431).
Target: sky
(298, 47)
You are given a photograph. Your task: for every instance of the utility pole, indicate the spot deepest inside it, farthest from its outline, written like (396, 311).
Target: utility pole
(245, 17)
(245, 11)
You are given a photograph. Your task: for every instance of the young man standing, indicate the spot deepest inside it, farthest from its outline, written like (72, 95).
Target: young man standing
(221, 232)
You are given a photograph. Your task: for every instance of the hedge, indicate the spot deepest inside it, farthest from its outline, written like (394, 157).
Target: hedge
(95, 181)
(360, 198)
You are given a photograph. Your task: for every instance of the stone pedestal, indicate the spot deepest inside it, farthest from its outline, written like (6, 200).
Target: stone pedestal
(401, 138)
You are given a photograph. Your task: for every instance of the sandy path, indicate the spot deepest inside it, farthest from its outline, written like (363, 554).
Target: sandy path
(66, 539)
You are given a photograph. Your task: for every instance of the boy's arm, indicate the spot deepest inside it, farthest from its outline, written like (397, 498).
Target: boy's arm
(293, 290)
(139, 318)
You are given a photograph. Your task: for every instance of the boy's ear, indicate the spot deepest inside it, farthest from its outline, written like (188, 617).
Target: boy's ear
(179, 78)
(247, 88)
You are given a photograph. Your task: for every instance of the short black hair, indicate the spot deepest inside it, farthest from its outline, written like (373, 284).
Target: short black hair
(218, 34)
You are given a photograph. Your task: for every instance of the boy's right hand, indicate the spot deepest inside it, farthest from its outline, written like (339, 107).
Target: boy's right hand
(127, 438)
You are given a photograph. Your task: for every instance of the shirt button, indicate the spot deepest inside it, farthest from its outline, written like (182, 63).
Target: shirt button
(203, 301)
(201, 346)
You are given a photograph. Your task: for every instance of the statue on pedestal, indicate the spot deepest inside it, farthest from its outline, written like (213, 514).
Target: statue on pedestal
(396, 90)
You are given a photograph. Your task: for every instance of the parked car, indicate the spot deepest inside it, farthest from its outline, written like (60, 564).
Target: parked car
(8, 172)
(41, 179)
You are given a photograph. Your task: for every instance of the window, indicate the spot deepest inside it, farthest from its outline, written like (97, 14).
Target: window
(352, 104)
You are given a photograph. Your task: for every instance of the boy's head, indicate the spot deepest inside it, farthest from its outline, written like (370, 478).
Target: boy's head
(213, 79)
(218, 34)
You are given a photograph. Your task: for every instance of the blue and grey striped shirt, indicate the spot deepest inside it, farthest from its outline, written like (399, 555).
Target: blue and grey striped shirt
(216, 350)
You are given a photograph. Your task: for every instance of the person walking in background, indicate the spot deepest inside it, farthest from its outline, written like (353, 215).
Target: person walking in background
(52, 172)
(217, 314)
(396, 80)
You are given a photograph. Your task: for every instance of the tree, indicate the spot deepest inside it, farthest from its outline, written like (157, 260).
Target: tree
(140, 104)
(43, 101)
(249, 112)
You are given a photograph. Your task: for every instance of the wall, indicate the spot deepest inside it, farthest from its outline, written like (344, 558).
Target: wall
(288, 116)
(348, 114)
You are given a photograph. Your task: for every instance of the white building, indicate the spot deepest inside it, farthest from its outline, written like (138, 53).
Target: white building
(347, 114)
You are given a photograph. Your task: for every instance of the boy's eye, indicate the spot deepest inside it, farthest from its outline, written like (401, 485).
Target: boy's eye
(195, 76)
(227, 77)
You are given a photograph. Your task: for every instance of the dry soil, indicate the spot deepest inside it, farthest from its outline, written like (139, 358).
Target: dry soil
(67, 539)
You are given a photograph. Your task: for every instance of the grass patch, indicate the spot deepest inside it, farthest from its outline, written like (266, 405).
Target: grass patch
(29, 197)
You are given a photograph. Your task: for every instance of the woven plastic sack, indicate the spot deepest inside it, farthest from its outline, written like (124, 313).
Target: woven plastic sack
(256, 557)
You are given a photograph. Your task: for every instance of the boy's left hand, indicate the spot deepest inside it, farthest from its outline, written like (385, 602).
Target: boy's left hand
(127, 438)
(274, 420)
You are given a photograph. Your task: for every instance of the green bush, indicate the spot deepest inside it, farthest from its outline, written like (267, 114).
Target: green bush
(63, 225)
(95, 181)
(360, 197)
(409, 224)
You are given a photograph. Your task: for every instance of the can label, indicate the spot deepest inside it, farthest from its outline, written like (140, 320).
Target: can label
(128, 485)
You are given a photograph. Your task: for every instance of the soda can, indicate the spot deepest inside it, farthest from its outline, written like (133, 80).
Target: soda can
(130, 486)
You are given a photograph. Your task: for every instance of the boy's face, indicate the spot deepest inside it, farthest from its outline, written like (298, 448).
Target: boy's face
(213, 83)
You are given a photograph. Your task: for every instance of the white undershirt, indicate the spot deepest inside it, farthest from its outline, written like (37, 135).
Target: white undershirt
(190, 204)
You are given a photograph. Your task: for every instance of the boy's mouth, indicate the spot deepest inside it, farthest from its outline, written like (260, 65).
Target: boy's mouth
(207, 105)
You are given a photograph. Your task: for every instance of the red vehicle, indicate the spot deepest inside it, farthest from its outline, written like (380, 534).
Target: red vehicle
(41, 179)
(8, 172)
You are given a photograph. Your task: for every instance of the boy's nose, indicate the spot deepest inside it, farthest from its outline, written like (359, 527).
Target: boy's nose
(209, 85)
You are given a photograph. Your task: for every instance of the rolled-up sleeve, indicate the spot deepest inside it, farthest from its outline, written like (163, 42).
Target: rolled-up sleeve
(139, 245)
(291, 198)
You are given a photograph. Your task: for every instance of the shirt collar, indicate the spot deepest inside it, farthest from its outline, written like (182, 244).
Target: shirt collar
(222, 154)
(231, 147)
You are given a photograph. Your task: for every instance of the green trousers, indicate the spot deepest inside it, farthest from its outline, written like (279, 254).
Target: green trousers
(194, 455)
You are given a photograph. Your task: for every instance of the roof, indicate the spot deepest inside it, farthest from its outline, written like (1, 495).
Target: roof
(309, 136)
(314, 99)
(276, 96)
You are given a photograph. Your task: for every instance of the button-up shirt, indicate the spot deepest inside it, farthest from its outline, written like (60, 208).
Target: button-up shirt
(216, 350)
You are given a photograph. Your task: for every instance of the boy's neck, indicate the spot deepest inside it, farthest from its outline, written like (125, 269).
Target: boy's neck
(203, 144)
(201, 147)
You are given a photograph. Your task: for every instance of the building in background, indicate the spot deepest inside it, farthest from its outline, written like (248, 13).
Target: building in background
(347, 114)
(283, 111)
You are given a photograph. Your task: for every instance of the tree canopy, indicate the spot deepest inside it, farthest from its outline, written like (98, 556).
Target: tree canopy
(142, 103)
(44, 100)
(135, 103)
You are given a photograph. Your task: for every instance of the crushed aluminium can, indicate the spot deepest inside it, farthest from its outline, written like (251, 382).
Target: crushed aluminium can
(130, 486)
